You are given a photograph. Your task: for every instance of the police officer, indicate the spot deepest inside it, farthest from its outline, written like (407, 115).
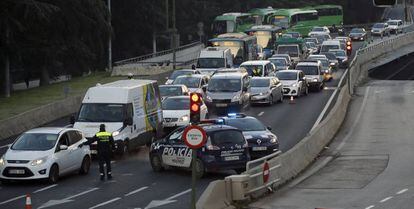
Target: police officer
(105, 142)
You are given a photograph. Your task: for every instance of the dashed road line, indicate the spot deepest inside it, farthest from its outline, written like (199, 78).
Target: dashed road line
(82, 193)
(45, 188)
(105, 203)
(260, 114)
(179, 194)
(136, 191)
(12, 199)
(369, 207)
(386, 199)
(402, 191)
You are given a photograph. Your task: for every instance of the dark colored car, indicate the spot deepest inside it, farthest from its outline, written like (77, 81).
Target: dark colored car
(226, 149)
(358, 34)
(261, 140)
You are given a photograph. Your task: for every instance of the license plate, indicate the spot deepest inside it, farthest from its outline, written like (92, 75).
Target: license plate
(259, 148)
(16, 171)
(94, 152)
(231, 158)
(221, 105)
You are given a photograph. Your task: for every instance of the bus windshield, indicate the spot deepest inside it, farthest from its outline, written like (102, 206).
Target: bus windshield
(223, 26)
(263, 38)
(236, 48)
(281, 21)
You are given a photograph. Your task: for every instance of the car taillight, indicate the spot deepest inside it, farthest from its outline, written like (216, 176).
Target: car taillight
(213, 147)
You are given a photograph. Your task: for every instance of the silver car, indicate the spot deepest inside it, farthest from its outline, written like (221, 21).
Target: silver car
(265, 90)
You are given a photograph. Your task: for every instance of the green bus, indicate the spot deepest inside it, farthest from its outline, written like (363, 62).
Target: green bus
(242, 46)
(263, 14)
(232, 23)
(299, 20)
(330, 15)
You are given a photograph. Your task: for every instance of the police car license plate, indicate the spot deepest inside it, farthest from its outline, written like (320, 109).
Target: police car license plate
(231, 158)
(259, 148)
(221, 105)
(16, 171)
(94, 152)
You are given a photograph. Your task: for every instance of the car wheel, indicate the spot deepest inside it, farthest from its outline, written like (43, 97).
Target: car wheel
(306, 91)
(281, 97)
(156, 163)
(200, 169)
(53, 174)
(86, 164)
(124, 149)
(271, 100)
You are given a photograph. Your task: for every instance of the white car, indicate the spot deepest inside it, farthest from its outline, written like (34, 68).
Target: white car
(195, 82)
(319, 31)
(176, 111)
(45, 153)
(177, 73)
(380, 29)
(172, 90)
(294, 82)
(395, 26)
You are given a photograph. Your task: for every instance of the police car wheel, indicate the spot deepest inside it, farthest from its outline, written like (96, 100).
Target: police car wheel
(200, 169)
(156, 163)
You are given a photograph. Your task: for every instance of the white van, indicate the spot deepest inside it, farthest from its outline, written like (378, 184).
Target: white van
(330, 45)
(130, 109)
(213, 58)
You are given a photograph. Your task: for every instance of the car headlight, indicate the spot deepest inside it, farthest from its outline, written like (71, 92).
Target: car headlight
(2, 161)
(115, 133)
(235, 98)
(294, 85)
(326, 71)
(315, 80)
(38, 161)
(273, 139)
(184, 118)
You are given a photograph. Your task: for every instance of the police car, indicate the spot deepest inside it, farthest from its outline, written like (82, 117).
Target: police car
(261, 140)
(225, 149)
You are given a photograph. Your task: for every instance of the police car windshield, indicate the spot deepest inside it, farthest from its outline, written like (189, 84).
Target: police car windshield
(210, 63)
(246, 124)
(94, 112)
(190, 82)
(177, 73)
(260, 83)
(253, 70)
(308, 70)
(170, 91)
(286, 75)
(224, 85)
(227, 137)
(176, 104)
(35, 142)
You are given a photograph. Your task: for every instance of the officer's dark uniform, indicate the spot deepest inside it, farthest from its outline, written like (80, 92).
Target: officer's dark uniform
(105, 142)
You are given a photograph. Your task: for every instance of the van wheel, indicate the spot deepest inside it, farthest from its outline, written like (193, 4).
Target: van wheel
(53, 174)
(156, 163)
(200, 168)
(86, 164)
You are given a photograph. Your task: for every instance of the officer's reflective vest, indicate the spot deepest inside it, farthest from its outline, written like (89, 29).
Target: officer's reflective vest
(103, 136)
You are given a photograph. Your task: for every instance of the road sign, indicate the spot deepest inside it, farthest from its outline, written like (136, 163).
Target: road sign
(194, 137)
(266, 172)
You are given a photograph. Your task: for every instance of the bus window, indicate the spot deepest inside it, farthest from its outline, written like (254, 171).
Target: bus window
(307, 17)
(281, 21)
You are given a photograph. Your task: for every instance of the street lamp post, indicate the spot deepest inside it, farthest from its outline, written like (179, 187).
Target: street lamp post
(110, 39)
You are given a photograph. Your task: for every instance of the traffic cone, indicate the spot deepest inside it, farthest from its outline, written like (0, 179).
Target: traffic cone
(28, 202)
(292, 100)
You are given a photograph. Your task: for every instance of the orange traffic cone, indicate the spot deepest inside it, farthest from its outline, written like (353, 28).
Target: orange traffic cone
(292, 100)
(28, 202)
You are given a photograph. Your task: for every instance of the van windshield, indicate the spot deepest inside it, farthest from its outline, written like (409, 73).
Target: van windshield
(227, 137)
(224, 85)
(210, 63)
(308, 70)
(97, 112)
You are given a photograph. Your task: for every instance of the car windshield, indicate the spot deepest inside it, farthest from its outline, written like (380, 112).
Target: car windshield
(260, 83)
(310, 44)
(293, 51)
(326, 48)
(392, 23)
(340, 53)
(312, 40)
(167, 91)
(278, 62)
(379, 25)
(210, 63)
(227, 137)
(246, 124)
(286, 75)
(96, 112)
(357, 30)
(177, 73)
(35, 142)
(324, 62)
(308, 70)
(176, 104)
(190, 82)
(224, 85)
(330, 56)
(317, 29)
(253, 70)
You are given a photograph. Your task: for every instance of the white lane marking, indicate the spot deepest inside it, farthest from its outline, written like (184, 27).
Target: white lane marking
(45, 188)
(260, 114)
(12, 199)
(399, 70)
(179, 194)
(245, 106)
(127, 174)
(386, 199)
(369, 207)
(105, 203)
(402, 191)
(82, 193)
(4, 146)
(136, 191)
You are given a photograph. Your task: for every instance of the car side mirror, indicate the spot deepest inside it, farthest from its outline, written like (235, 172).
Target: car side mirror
(72, 119)
(128, 121)
(63, 147)
(269, 128)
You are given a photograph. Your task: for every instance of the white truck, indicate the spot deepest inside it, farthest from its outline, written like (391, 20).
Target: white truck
(130, 109)
(214, 58)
